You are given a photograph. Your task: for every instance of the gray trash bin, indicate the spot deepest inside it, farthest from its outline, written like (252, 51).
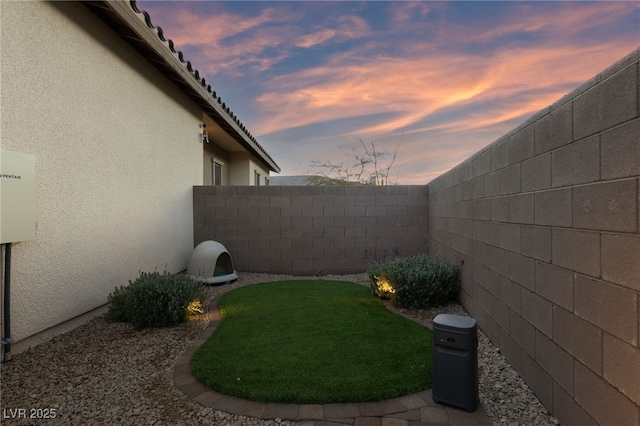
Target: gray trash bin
(455, 361)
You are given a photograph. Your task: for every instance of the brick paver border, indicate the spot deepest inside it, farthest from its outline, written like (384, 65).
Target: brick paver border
(410, 410)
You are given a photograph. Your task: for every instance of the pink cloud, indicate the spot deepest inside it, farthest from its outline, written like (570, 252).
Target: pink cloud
(414, 88)
(404, 11)
(346, 27)
(313, 39)
(352, 26)
(205, 30)
(570, 20)
(228, 42)
(225, 42)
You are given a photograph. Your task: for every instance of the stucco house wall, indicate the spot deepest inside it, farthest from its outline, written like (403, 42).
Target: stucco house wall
(243, 165)
(118, 150)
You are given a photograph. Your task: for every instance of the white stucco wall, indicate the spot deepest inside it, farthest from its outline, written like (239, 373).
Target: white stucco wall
(117, 148)
(254, 166)
(242, 168)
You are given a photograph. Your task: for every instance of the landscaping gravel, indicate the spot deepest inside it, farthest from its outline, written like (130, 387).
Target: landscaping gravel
(108, 373)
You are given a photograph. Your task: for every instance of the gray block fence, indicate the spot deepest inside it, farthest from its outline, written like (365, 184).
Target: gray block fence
(312, 230)
(547, 221)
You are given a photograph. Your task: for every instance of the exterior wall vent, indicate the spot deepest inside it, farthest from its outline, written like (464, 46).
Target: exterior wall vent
(211, 263)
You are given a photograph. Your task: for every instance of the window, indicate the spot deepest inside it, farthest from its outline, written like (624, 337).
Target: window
(217, 174)
(256, 178)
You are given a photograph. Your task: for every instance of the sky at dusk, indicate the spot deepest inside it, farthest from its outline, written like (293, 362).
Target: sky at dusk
(442, 79)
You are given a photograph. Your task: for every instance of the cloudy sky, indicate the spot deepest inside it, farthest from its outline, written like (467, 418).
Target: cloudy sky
(310, 79)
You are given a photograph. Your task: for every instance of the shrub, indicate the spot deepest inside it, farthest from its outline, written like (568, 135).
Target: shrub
(155, 300)
(416, 282)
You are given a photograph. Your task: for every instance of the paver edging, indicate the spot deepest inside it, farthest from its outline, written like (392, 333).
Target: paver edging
(395, 408)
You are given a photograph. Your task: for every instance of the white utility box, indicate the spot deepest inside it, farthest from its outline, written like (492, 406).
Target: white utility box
(17, 197)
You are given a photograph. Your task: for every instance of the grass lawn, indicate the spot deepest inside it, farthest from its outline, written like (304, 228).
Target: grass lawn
(313, 342)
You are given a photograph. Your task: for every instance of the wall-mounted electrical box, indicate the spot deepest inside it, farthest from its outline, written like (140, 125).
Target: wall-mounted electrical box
(17, 197)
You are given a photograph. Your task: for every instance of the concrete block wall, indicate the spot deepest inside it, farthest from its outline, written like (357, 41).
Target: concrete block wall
(545, 226)
(310, 230)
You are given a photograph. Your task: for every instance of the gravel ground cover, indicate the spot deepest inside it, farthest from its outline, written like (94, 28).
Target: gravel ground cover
(108, 373)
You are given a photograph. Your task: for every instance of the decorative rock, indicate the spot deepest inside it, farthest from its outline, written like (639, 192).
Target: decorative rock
(107, 373)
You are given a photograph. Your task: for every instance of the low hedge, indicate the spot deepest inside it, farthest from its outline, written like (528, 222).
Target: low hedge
(415, 282)
(155, 300)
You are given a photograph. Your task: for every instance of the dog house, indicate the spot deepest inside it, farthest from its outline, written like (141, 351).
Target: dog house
(211, 263)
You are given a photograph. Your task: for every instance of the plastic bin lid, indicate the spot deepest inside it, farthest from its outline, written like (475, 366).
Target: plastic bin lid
(454, 322)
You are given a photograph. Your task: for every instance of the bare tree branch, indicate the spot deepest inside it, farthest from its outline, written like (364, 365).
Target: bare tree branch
(364, 169)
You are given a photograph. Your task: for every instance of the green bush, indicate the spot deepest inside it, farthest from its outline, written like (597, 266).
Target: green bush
(416, 282)
(155, 300)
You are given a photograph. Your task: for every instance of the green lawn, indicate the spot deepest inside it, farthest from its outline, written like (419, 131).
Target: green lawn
(313, 342)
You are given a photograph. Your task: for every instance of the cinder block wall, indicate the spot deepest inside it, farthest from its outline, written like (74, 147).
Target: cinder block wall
(546, 222)
(310, 230)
